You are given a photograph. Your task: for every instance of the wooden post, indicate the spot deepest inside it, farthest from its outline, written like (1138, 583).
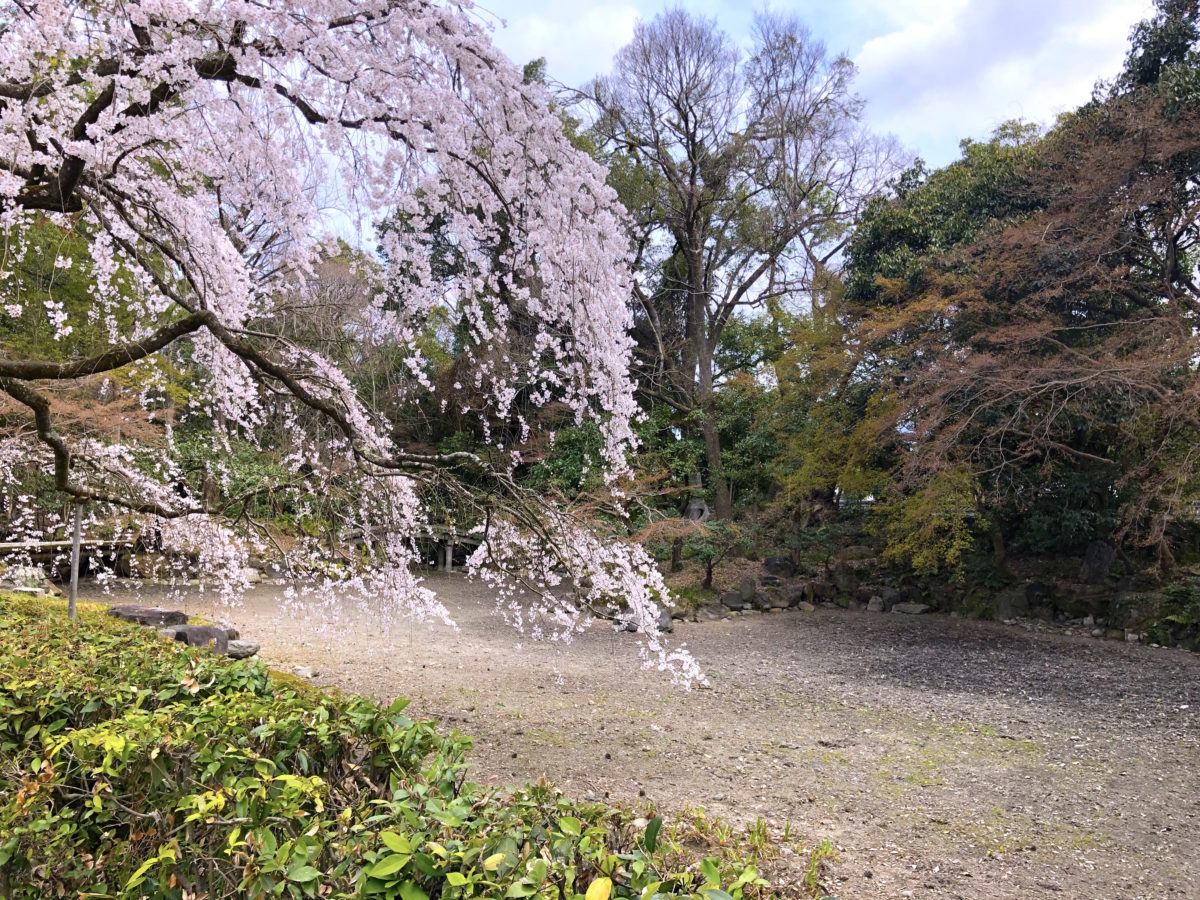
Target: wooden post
(75, 547)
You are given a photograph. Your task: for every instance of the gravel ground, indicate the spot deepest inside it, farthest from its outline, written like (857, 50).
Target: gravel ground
(943, 758)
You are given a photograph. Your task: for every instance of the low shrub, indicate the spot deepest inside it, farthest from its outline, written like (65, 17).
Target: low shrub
(131, 766)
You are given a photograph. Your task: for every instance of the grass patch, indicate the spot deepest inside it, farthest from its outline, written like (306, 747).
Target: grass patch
(131, 766)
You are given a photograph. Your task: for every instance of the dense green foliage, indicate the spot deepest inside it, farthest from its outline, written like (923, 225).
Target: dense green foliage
(134, 767)
(1004, 363)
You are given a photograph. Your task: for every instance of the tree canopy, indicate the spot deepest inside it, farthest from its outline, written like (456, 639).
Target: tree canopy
(187, 154)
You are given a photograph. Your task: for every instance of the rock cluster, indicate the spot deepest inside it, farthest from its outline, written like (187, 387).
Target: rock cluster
(846, 581)
(173, 624)
(27, 580)
(151, 616)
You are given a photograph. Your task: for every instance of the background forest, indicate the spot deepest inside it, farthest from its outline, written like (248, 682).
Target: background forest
(979, 383)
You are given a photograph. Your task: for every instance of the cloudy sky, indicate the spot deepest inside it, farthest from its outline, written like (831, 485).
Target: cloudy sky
(933, 71)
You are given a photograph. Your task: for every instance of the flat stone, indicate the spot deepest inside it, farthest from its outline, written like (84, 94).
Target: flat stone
(875, 604)
(732, 600)
(149, 615)
(911, 609)
(805, 606)
(210, 636)
(240, 649)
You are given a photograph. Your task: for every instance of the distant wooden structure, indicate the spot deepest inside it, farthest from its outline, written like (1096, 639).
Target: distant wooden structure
(446, 539)
(45, 547)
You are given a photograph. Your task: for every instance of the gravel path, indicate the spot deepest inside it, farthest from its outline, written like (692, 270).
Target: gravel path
(944, 758)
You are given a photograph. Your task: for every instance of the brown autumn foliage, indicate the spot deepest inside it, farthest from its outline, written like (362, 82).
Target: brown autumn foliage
(1068, 342)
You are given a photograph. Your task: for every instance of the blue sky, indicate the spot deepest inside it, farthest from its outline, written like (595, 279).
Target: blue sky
(932, 71)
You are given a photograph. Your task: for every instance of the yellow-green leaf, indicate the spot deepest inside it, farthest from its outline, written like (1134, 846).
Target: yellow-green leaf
(492, 863)
(397, 843)
(599, 889)
(571, 825)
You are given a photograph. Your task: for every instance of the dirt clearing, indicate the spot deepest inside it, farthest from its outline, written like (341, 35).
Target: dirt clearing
(943, 758)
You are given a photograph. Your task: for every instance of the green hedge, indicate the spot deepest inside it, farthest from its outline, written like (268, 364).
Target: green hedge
(131, 766)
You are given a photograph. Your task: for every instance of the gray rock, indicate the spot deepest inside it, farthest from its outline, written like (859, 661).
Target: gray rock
(149, 615)
(779, 566)
(795, 593)
(875, 604)
(1010, 603)
(748, 589)
(732, 600)
(210, 636)
(1098, 561)
(857, 553)
(306, 671)
(762, 601)
(911, 609)
(665, 623)
(240, 649)
(820, 590)
(805, 606)
(770, 581)
(1038, 593)
(845, 579)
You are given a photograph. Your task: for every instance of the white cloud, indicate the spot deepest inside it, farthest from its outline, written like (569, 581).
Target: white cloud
(960, 69)
(933, 71)
(578, 39)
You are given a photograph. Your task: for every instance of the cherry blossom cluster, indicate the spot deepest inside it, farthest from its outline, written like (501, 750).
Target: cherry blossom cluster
(197, 147)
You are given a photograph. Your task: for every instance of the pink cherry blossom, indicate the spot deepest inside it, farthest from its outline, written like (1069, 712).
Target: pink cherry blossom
(195, 145)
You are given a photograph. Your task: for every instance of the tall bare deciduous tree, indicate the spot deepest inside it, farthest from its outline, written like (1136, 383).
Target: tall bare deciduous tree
(743, 174)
